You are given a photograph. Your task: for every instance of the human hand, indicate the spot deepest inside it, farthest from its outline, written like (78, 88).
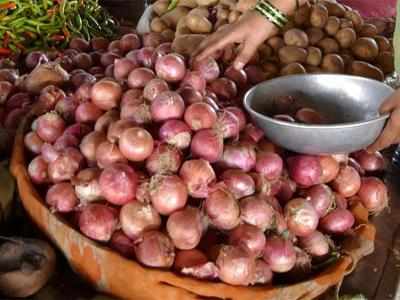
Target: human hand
(391, 133)
(250, 31)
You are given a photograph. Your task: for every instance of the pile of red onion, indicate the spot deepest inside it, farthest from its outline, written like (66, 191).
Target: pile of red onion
(152, 154)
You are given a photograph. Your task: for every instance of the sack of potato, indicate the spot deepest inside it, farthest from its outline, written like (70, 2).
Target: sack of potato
(322, 36)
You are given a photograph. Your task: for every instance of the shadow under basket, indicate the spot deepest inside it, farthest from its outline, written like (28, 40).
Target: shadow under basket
(111, 273)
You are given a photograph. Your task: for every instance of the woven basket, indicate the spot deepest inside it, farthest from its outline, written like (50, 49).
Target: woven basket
(111, 273)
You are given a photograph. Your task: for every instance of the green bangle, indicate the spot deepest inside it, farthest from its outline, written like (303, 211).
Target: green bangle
(274, 15)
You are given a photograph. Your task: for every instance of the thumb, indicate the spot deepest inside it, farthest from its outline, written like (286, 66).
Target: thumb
(390, 103)
(244, 55)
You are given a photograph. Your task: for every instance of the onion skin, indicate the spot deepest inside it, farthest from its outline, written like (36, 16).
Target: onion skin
(370, 162)
(185, 228)
(198, 175)
(155, 87)
(155, 249)
(249, 237)
(315, 244)
(321, 197)
(236, 267)
(122, 244)
(348, 182)
(222, 209)
(373, 194)
(175, 133)
(208, 68)
(270, 165)
(166, 106)
(239, 183)
(87, 112)
(262, 273)
(228, 124)
(164, 159)
(256, 211)
(90, 143)
(50, 126)
(330, 168)
(239, 115)
(66, 165)
(37, 170)
(136, 111)
(200, 115)
(239, 156)
(301, 216)
(136, 144)
(337, 221)
(61, 197)
(171, 68)
(118, 184)
(98, 222)
(33, 142)
(136, 218)
(139, 77)
(279, 254)
(207, 144)
(195, 80)
(107, 154)
(87, 186)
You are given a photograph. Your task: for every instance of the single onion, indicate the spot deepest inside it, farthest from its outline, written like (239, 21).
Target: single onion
(167, 105)
(190, 95)
(195, 80)
(66, 165)
(321, 197)
(236, 267)
(309, 116)
(164, 159)
(136, 218)
(50, 126)
(49, 153)
(118, 183)
(61, 197)
(66, 140)
(106, 94)
(90, 143)
(258, 212)
(330, 168)
(238, 112)
(301, 216)
(373, 194)
(130, 41)
(348, 182)
(131, 95)
(87, 186)
(170, 67)
(33, 142)
(197, 175)
(224, 88)
(122, 244)
(279, 254)
(315, 244)
(122, 68)
(370, 162)
(168, 193)
(139, 77)
(154, 88)
(87, 112)
(238, 76)
(136, 111)
(286, 190)
(337, 221)
(305, 170)
(37, 170)
(207, 144)
(270, 165)
(208, 68)
(155, 249)
(185, 228)
(108, 153)
(116, 129)
(83, 92)
(222, 209)
(239, 156)
(228, 124)
(66, 108)
(249, 237)
(145, 56)
(239, 183)
(200, 115)
(98, 221)
(175, 133)
(108, 118)
(262, 273)
(136, 144)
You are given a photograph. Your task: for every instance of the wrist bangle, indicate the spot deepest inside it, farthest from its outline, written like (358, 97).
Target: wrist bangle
(274, 15)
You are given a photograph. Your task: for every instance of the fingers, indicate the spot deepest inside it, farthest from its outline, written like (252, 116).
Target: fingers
(390, 134)
(247, 52)
(390, 103)
(215, 42)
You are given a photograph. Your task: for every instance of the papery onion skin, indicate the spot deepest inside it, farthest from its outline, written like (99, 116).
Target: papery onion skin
(200, 115)
(87, 112)
(136, 144)
(207, 144)
(239, 183)
(249, 237)
(337, 221)
(315, 244)
(166, 106)
(305, 170)
(321, 197)
(301, 216)
(87, 186)
(37, 170)
(256, 211)
(66, 165)
(239, 156)
(262, 273)
(155, 87)
(106, 94)
(348, 182)
(373, 194)
(107, 154)
(61, 197)
(176, 133)
(164, 159)
(198, 175)
(122, 244)
(270, 165)
(330, 168)
(279, 254)
(50, 126)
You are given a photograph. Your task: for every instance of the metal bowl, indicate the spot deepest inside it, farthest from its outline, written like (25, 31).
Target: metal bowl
(350, 103)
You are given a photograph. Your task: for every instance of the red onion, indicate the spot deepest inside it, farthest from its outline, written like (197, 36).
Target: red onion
(190, 95)
(108, 58)
(98, 221)
(200, 115)
(6, 89)
(224, 88)
(170, 67)
(87, 112)
(168, 193)
(130, 41)
(321, 197)
(279, 254)
(301, 216)
(34, 58)
(50, 126)
(90, 143)
(167, 105)
(18, 100)
(122, 68)
(252, 133)
(285, 118)
(207, 144)
(164, 159)
(82, 61)
(99, 43)
(78, 130)
(239, 156)
(108, 118)
(118, 183)
(370, 162)
(154, 88)
(83, 92)
(337, 221)
(305, 170)
(155, 249)
(66, 108)
(33, 142)
(208, 68)
(82, 78)
(348, 182)
(139, 77)
(267, 146)
(249, 237)
(239, 115)
(176, 133)
(136, 144)
(106, 94)
(116, 129)
(189, 258)
(207, 270)
(353, 163)
(185, 228)
(341, 202)
(137, 218)
(373, 194)
(146, 57)
(239, 183)
(49, 97)
(228, 124)
(79, 44)
(61, 197)
(262, 273)
(195, 80)
(316, 244)
(49, 153)
(15, 117)
(37, 170)
(136, 111)
(108, 153)
(131, 95)
(122, 244)
(330, 168)
(87, 186)
(235, 266)
(238, 76)
(270, 165)
(280, 226)
(222, 209)
(66, 140)
(152, 39)
(309, 116)
(257, 212)
(197, 175)
(286, 190)
(254, 74)
(66, 165)
(163, 49)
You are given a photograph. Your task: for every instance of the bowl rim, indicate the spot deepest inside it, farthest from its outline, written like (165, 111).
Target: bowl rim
(314, 126)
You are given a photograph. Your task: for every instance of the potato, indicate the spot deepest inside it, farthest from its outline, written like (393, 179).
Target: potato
(383, 43)
(296, 37)
(181, 28)
(380, 24)
(314, 56)
(157, 25)
(187, 3)
(314, 35)
(332, 26)
(290, 54)
(319, 16)
(346, 23)
(332, 63)
(200, 11)
(328, 45)
(160, 7)
(198, 24)
(365, 48)
(385, 61)
(346, 37)
(362, 68)
(168, 35)
(229, 3)
(293, 68)
(347, 60)
(276, 43)
(172, 17)
(233, 16)
(355, 17)
(302, 15)
(206, 2)
(313, 70)
(186, 44)
(265, 50)
(271, 70)
(222, 13)
(335, 9)
(368, 30)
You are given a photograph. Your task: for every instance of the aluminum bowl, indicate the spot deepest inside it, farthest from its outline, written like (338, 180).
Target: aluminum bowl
(350, 103)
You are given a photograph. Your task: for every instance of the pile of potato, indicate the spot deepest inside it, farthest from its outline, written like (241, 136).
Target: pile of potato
(322, 36)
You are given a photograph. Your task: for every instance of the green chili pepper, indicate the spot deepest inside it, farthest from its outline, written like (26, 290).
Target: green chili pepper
(78, 22)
